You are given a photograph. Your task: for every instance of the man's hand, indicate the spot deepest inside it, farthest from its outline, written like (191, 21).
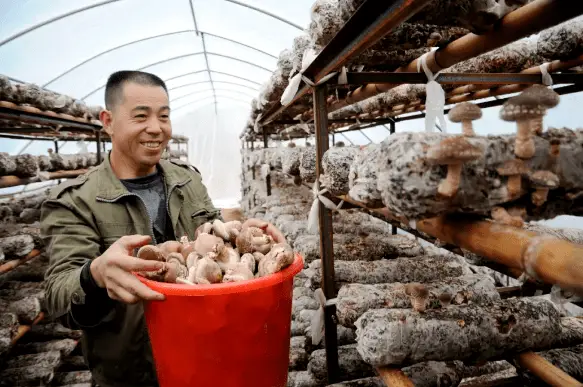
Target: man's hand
(268, 228)
(113, 271)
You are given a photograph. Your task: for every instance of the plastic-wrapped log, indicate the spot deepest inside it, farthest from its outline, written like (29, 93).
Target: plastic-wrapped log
(299, 328)
(5, 344)
(44, 163)
(574, 235)
(365, 382)
(27, 309)
(303, 379)
(26, 165)
(362, 178)
(409, 182)
(18, 294)
(26, 376)
(49, 359)
(9, 323)
(512, 58)
(17, 246)
(65, 346)
(302, 303)
(568, 360)
(417, 269)
(476, 15)
(388, 60)
(324, 24)
(336, 164)
(77, 385)
(7, 164)
(346, 336)
(29, 215)
(308, 165)
(507, 377)
(442, 374)
(351, 364)
(73, 363)
(354, 300)
(470, 332)
(298, 358)
(290, 161)
(51, 331)
(349, 247)
(75, 377)
(16, 229)
(564, 41)
(571, 332)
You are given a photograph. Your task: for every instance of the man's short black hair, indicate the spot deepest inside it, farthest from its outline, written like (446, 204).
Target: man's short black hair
(116, 81)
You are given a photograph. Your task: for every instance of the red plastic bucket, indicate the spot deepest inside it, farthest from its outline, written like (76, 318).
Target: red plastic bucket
(223, 335)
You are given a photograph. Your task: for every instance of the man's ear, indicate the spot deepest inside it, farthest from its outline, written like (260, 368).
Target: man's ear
(106, 118)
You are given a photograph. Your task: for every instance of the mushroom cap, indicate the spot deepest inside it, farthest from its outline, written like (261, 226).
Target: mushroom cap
(523, 106)
(416, 290)
(546, 96)
(465, 111)
(453, 150)
(445, 297)
(544, 179)
(513, 167)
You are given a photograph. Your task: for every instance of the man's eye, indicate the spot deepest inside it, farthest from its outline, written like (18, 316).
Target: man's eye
(165, 116)
(141, 116)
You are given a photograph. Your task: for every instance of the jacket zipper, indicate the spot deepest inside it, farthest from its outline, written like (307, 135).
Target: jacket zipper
(143, 204)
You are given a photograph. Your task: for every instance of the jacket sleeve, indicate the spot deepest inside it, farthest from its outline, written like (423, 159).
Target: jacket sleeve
(71, 243)
(214, 213)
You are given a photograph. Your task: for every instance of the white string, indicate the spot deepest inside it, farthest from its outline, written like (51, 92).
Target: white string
(319, 197)
(544, 70)
(435, 100)
(317, 323)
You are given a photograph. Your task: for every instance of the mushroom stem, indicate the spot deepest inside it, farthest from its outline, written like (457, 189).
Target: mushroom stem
(524, 145)
(449, 186)
(536, 125)
(419, 303)
(467, 128)
(539, 197)
(500, 215)
(514, 186)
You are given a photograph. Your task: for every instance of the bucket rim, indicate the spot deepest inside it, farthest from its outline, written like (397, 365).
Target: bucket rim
(169, 289)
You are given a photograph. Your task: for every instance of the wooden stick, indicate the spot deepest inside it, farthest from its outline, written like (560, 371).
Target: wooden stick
(394, 377)
(10, 265)
(30, 109)
(546, 371)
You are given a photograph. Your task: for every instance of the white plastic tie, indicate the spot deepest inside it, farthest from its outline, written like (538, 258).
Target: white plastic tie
(294, 81)
(43, 176)
(435, 100)
(319, 197)
(343, 77)
(317, 322)
(544, 70)
(265, 171)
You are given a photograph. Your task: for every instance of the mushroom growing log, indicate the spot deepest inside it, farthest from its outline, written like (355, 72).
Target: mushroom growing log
(308, 165)
(470, 332)
(351, 364)
(26, 165)
(27, 309)
(298, 358)
(303, 379)
(336, 164)
(17, 246)
(65, 346)
(349, 247)
(354, 300)
(562, 41)
(416, 269)
(72, 378)
(362, 178)
(51, 331)
(50, 359)
(28, 376)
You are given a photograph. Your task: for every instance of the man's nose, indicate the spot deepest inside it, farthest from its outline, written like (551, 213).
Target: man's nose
(154, 127)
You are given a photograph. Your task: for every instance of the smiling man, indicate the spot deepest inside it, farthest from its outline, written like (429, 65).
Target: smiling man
(92, 224)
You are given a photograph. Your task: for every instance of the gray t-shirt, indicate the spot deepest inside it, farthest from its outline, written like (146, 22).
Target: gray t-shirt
(152, 191)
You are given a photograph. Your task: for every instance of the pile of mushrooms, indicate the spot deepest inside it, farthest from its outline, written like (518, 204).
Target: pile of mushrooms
(221, 252)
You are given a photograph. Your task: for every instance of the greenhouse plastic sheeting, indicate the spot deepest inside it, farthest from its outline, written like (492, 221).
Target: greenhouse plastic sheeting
(242, 41)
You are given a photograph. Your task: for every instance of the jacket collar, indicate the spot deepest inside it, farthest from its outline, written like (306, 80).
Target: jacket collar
(110, 188)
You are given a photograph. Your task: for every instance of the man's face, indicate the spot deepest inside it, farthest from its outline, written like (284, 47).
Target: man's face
(139, 125)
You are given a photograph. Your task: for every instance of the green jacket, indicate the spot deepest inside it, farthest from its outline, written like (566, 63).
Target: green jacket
(81, 218)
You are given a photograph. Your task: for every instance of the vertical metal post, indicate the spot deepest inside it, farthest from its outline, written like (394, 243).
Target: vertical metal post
(56, 147)
(253, 166)
(98, 139)
(392, 128)
(326, 238)
(268, 177)
(333, 139)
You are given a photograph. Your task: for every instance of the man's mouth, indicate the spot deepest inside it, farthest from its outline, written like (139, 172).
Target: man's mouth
(152, 144)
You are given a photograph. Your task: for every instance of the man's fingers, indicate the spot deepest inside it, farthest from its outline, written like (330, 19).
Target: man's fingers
(120, 294)
(254, 222)
(275, 234)
(143, 292)
(131, 242)
(130, 264)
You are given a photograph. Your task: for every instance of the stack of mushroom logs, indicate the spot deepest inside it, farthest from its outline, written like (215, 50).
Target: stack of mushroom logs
(29, 166)
(433, 283)
(365, 280)
(47, 354)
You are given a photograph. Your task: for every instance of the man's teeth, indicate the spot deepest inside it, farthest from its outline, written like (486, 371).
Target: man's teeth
(152, 144)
